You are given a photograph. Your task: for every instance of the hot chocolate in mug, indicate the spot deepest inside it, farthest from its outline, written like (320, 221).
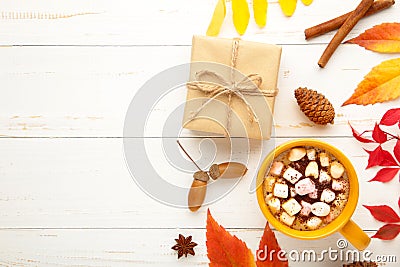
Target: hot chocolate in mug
(343, 223)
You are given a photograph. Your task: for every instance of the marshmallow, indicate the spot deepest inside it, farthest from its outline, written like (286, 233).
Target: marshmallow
(312, 170)
(305, 208)
(336, 169)
(281, 190)
(276, 168)
(313, 223)
(291, 206)
(330, 217)
(304, 187)
(324, 177)
(287, 219)
(327, 195)
(324, 159)
(292, 175)
(320, 209)
(311, 154)
(314, 194)
(296, 153)
(274, 204)
(269, 183)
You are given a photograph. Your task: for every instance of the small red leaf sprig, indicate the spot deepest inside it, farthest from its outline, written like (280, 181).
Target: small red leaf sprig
(390, 163)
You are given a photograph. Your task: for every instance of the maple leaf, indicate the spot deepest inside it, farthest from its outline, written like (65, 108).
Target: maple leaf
(380, 157)
(396, 150)
(391, 117)
(387, 232)
(385, 175)
(378, 135)
(381, 84)
(269, 243)
(383, 213)
(383, 38)
(225, 250)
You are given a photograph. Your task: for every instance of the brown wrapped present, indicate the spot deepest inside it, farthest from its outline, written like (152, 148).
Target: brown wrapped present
(232, 87)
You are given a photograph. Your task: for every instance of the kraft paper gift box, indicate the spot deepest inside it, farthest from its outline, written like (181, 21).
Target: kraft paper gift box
(232, 87)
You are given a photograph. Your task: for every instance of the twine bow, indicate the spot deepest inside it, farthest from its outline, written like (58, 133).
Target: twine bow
(215, 85)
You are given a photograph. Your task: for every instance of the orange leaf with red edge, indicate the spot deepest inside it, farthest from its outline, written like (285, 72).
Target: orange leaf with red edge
(269, 254)
(383, 38)
(223, 249)
(381, 84)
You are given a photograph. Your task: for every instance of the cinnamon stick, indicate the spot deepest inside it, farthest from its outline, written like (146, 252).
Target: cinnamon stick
(347, 26)
(335, 23)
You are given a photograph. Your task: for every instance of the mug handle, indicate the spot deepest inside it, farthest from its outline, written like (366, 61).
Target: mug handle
(355, 235)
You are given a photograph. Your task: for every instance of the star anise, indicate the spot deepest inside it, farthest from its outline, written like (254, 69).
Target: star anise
(184, 246)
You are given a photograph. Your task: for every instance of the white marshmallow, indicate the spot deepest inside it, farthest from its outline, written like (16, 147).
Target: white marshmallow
(296, 153)
(324, 159)
(311, 154)
(327, 195)
(287, 219)
(292, 175)
(324, 177)
(291, 206)
(336, 169)
(274, 204)
(313, 223)
(338, 185)
(320, 209)
(276, 168)
(312, 170)
(269, 183)
(281, 190)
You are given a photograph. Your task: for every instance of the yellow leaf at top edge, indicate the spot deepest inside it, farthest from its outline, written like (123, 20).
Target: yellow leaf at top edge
(288, 7)
(307, 2)
(241, 15)
(260, 8)
(217, 19)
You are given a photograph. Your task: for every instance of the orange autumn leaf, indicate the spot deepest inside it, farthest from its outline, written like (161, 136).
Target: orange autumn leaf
(383, 38)
(381, 84)
(223, 249)
(265, 256)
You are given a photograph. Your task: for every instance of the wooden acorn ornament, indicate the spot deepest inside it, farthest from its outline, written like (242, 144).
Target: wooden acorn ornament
(225, 170)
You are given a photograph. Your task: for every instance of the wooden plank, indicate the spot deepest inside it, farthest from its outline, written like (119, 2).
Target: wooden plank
(84, 183)
(152, 247)
(86, 91)
(118, 22)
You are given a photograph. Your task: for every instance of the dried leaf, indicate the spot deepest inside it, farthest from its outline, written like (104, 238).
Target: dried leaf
(260, 8)
(241, 15)
(385, 175)
(380, 157)
(359, 137)
(217, 19)
(383, 213)
(378, 135)
(381, 84)
(383, 38)
(269, 243)
(391, 117)
(387, 232)
(396, 150)
(288, 7)
(223, 249)
(307, 2)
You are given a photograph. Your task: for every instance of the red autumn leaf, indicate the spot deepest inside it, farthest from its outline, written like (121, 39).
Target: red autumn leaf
(380, 157)
(396, 150)
(387, 232)
(223, 249)
(385, 175)
(391, 117)
(383, 213)
(359, 137)
(378, 135)
(268, 243)
(399, 203)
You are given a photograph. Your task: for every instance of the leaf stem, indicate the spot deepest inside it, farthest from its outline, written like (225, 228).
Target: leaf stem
(392, 135)
(187, 154)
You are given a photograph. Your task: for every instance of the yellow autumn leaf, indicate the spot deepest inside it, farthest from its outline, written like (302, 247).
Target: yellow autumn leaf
(288, 6)
(307, 2)
(381, 84)
(217, 19)
(260, 8)
(241, 15)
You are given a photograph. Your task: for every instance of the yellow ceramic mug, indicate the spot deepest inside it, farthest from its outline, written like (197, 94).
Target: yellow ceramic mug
(351, 231)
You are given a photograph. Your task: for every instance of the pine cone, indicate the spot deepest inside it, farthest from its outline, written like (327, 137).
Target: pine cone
(361, 264)
(315, 106)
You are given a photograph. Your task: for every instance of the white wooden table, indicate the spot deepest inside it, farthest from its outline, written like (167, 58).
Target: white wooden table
(69, 70)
